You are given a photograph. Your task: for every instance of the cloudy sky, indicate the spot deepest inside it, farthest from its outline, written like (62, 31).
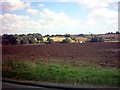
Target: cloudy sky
(58, 16)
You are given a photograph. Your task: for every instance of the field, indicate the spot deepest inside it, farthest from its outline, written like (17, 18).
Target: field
(58, 39)
(100, 54)
(92, 63)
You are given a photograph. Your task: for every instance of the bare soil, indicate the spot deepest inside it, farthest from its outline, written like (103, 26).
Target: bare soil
(86, 54)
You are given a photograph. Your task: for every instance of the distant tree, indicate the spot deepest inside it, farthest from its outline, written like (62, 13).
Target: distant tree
(52, 35)
(97, 39)
(94, 39)
(5, 39)
(50, 41)
(110, 33)
(22, 35)
(48, 38)
(91, 35)
(24, 41)
(67, 35)
(117, 32)
(47, 35)
(5, 36)
(73, 38)
(18, 39)
(32, 40)
(67, 40)
(39, 38)
(22, 38)
(12, 40)
(58, 35)
(81, 35)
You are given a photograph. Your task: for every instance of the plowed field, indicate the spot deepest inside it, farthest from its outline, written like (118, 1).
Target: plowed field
(86, 54)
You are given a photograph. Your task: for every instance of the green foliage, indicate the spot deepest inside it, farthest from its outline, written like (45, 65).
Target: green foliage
(37, 38)
(18, 40)
(21, 39)
(73, 38)
(12, 40)
(48, 38)
(81, 35)
(97, 39)
(67, 35)
(32, 40)
(5, 39)
(50, 41)
(67, 40)
(60, 73)
(24, 41)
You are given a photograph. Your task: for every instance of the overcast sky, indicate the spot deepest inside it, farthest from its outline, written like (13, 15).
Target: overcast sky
(59, 16)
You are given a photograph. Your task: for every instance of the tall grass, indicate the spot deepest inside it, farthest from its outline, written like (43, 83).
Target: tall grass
(60, 73)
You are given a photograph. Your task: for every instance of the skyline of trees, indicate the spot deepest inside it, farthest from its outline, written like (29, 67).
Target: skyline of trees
(36, 38)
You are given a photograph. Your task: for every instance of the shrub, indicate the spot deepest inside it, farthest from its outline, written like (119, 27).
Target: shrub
(67, 40)
(50, 41)
(97, 39)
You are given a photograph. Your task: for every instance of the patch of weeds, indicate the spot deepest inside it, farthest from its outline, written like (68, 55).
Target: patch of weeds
(61, 73)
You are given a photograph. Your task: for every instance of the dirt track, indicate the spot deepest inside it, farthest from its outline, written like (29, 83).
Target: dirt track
(86, 54)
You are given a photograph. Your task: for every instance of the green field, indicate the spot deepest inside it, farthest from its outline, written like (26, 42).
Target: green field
(60, 73)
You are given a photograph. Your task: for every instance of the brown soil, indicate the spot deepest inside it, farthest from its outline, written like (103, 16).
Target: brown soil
(86, 54)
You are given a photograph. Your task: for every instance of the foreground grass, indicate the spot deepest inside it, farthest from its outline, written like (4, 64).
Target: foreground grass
(60, 73)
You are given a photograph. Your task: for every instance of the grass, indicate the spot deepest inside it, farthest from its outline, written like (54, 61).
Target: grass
(60, 73)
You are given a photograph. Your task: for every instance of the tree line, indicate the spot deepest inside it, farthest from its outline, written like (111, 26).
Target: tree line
(21, 39)
(32, 39)
(36, 38)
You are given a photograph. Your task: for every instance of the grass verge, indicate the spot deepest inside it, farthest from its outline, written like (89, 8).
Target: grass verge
(60, 73)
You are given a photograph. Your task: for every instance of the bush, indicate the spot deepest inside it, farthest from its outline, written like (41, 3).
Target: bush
(32, 41)
(50, 41)
(67, 40)
(97, 39)
(24, 41)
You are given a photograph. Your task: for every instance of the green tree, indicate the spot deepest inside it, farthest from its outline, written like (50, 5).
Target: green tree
(5, 39)
(50, 41)
(97, 39)
(32, 41)
(73, 38)
(67, 40)
(12, 40)
(67, 35)
(24, 41)
(48, 38)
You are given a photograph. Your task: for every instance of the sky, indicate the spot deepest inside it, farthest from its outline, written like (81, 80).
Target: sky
(58, 16)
